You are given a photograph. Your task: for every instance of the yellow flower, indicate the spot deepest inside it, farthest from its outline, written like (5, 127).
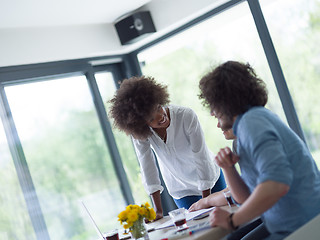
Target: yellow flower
(147, 205)
(134, 212)
(133, 215)
(126, 226)
(129, 223)
(129, 207)
(152, 214)
(122, 216)
(142, 211)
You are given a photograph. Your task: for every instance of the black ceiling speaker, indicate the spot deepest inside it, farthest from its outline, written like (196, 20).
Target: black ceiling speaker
(134, 27)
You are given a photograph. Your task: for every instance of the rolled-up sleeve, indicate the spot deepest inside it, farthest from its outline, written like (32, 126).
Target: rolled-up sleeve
(148, 167)
(267, 151)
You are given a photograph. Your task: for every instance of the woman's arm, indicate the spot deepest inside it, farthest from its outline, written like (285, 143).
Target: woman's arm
(150, 174)
(156, 200)
(214, 199)
(206, 193)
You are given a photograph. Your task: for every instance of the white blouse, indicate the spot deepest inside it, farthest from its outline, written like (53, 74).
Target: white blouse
(185, 161)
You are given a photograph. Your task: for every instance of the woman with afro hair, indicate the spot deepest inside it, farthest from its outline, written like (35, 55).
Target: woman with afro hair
(140, 109)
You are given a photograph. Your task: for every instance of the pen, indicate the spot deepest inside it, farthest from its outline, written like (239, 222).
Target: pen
(200, 229)
(187, 233)
(178, 235)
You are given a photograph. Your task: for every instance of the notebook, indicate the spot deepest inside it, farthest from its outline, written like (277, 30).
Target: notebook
(101, 237)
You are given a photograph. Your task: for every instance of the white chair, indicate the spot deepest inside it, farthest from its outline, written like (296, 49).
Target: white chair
(309, 231)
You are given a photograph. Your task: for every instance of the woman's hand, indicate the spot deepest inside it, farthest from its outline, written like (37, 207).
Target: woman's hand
(201, 204)
(156, 199)
(159, 215)
(225, 158)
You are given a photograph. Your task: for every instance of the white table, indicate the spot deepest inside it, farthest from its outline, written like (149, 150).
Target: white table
(211, 233)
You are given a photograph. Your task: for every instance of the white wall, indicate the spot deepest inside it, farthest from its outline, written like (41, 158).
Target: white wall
(35, 45)
(20, 46)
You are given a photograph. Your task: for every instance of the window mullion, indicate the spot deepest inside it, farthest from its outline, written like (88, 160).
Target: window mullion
(21, 166)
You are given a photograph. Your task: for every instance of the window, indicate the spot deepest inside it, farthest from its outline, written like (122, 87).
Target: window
(14, 218)
(294, 26)
(181, 61)
(107, 89)
(67, 156)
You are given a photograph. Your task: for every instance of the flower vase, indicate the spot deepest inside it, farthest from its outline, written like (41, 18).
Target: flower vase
(138, 230)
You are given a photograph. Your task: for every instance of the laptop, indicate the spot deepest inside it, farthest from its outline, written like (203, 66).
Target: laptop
(101, 237)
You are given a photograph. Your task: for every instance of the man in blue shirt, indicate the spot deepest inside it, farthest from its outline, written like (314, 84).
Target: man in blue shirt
(279, 178)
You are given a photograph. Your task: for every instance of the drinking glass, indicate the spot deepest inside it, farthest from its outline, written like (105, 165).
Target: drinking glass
(178, 217)
(112, 235)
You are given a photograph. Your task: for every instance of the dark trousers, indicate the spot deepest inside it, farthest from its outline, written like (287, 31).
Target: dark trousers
(251, 231)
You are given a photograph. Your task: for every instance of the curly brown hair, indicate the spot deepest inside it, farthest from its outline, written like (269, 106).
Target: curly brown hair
(134, 102)
(232, 88)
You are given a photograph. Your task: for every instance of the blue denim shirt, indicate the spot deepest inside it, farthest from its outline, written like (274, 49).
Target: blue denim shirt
(270, 150)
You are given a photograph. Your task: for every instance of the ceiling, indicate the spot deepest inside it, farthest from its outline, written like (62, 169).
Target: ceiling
(39, 31)
(43, 13)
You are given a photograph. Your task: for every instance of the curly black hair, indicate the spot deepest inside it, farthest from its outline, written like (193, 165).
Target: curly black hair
(232, 88)
(133, 104)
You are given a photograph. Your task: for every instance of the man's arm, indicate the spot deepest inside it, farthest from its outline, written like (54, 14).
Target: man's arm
(262, 198)
(226, 160)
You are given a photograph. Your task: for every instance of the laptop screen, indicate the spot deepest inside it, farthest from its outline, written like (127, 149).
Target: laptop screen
(101, 237)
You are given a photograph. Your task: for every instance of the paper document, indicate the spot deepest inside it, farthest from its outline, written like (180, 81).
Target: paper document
(189, 216)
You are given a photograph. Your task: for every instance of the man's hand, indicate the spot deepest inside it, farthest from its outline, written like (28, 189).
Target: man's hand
(225, 158)
(219, 217)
